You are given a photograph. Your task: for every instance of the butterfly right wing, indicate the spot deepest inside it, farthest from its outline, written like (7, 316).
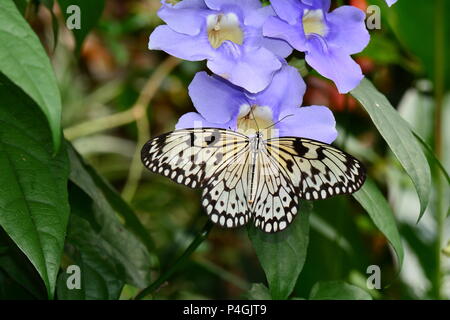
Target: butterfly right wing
(293, 168)
(192, 156)
(318, 170)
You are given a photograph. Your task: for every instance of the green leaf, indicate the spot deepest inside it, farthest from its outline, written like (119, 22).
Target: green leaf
(338, 212)
(128, 250)
(416, 108)
(102, 278)
(17, 266)
(433, 156)
(396, 131)
(117, 203)
(337, 290)
(33, 185)
(24, 61)
(258, 291)
(372, 200)
(90, 11)
(283, 254)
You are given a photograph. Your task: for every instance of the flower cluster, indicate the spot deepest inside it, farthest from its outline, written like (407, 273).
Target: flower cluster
(327, 38)
(245, 45)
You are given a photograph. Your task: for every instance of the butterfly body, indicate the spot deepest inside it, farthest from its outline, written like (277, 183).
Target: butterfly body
(256, 143)
(251, 178)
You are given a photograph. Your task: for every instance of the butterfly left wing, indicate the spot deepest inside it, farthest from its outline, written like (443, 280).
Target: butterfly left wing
(316, 169)
(210, 158)
(191, 156)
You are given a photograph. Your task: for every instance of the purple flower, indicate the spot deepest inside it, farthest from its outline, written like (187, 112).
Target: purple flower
(220, 104)
(390, 2)
(327, 38)
(227, 33)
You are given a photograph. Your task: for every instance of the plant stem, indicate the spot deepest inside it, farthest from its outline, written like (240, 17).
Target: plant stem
(178, 263)
(134, 175)
(439, 82)
(143, 125)
(100, 124)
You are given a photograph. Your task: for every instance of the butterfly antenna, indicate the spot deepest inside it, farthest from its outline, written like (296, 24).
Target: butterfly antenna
(289, 115)
(256, 122)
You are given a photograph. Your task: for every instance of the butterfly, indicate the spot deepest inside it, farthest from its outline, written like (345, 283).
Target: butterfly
(249, 178)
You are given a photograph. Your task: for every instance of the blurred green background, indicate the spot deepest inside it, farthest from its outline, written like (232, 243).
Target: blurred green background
(114, 78)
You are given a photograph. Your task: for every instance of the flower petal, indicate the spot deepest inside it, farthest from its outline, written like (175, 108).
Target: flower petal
(256, 18)
(313, 122)
(192, 48)
(195, 120)
(293, 34)
(288, 10)
(246, 5)
(279, 47)
(333, 64)
(252, 70)
(319, 4)
(348, 29)
(285, 91)
(253, 22)
(308, 2)
(215, 99)
(390, 2)
(187, 4)
(187, 16)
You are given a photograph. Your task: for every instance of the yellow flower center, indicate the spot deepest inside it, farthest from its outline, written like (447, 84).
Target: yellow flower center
(252, 118)
(313, 22)
(223, 27)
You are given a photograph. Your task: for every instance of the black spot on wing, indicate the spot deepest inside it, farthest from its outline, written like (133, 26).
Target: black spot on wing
(290, 165)
(210, 140)
(192, 138)
(300, 149)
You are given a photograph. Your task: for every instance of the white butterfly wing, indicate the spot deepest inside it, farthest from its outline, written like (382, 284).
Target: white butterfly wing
(220, 162)
(291, 168)
(191, 156)
(316, 169)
